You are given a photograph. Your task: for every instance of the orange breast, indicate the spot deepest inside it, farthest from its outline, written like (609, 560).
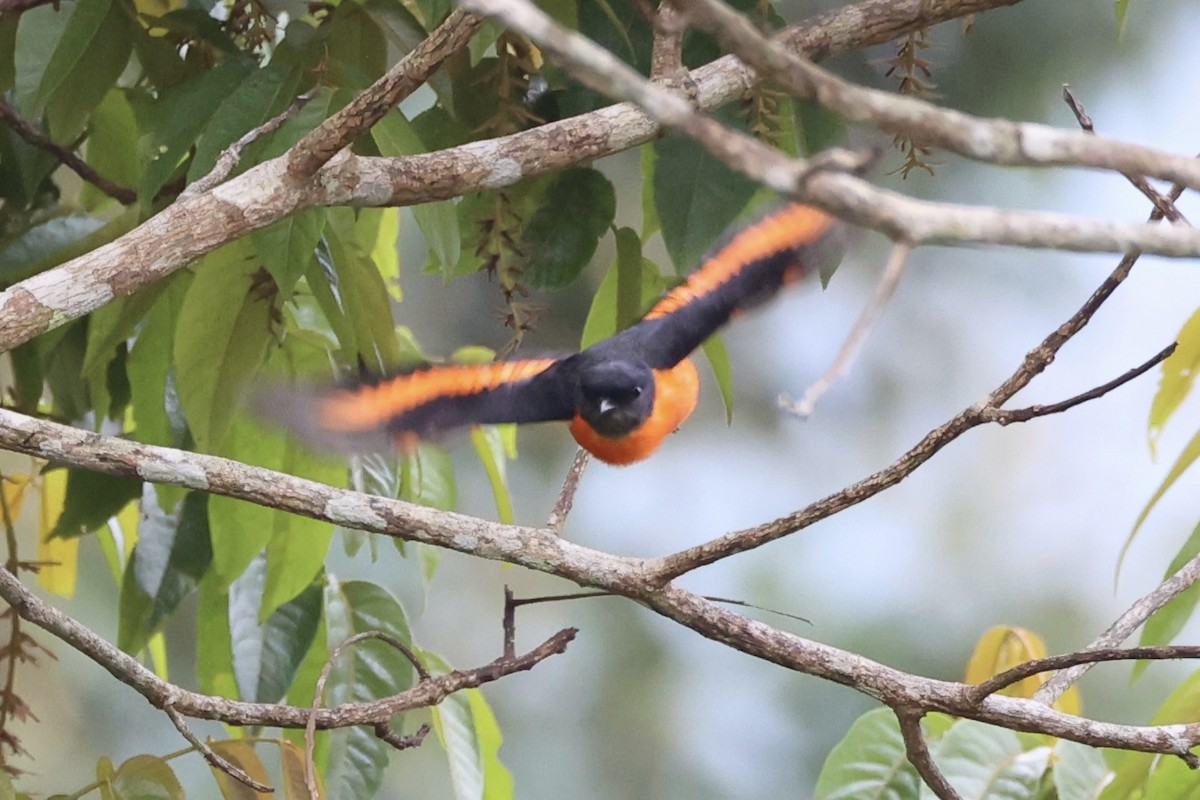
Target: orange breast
(675, 393)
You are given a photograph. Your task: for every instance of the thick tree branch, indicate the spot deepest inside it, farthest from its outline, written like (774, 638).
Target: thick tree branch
(537, 549)
(194, 226)
(993, 141)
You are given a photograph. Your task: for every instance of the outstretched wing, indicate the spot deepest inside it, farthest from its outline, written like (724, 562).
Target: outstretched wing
(787, 245)
(422, 405)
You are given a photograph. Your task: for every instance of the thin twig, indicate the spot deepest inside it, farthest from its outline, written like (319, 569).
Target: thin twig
(399, 741)
(1005, 417)
(884, 290)
(566, 496)
(1020, 672)
(310, 725)
(919, 755)
(211, 756)
(1121, 629)
(360, 114)
(230, 157)
(1165, 206)
(21, 127)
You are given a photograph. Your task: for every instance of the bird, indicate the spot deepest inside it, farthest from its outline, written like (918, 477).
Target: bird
(621, 397)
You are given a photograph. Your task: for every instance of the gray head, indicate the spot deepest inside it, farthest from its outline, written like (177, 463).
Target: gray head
(615, 397)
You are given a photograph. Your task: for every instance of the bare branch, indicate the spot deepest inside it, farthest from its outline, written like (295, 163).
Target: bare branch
(360, 114)
(232, 712)
(993, 141)
(21, 127)
(1090, 656)
(919, 755)
(1165, 206)
(566, 496)
(214, 758)
(229, 159)
(192, 227)
(1003, 417)
(884, 289)
(1124, 626)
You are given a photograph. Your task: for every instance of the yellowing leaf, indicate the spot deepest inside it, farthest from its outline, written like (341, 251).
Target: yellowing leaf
(14, 494)
(1178, 375)
(241, 754)
(1003, 647)
(292, 770)
(60, 556)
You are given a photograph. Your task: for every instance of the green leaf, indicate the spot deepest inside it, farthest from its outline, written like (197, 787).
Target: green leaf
(1166, 623)
(171, 557)
(490, 448)
(1122, 8)
(1172, 779)
(255, 98)
(156, 413)
(286, 637)
(984, 761)
(602, 318)
(427, 477)
(576, 209)
(181, 116)
(111, 128)
(221, 337)
(1079, 771)
(41, 29)
(497, 780)
(630, 277)
(214, 641)
(296, 546)
(367, 671)
(144, 778)
(815, 127)
(87, 59)
(1190, 453)
(697, 197)
(362, 291)
(303, 689)
(287, 246)
(1131, 769)
(722, 367)
(651, 224)
(111, 325)
(45, 245)
(1178, 376)
(92, 498)
(870, 761)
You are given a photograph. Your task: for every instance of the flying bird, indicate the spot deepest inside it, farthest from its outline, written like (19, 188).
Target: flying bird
(621, 397)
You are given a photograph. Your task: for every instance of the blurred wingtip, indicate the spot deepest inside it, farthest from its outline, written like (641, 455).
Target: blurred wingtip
(300, 410)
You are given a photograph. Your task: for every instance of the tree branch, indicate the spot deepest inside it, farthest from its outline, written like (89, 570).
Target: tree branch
(1124, 626)
(24, 129)
(194, 226)
(162, 694)
(919, 755)
(360, 114)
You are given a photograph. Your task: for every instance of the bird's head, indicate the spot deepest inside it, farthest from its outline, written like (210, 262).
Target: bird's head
(615, 397)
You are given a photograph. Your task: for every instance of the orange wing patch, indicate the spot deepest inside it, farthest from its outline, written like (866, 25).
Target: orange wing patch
(371, 406)
(791, 227)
